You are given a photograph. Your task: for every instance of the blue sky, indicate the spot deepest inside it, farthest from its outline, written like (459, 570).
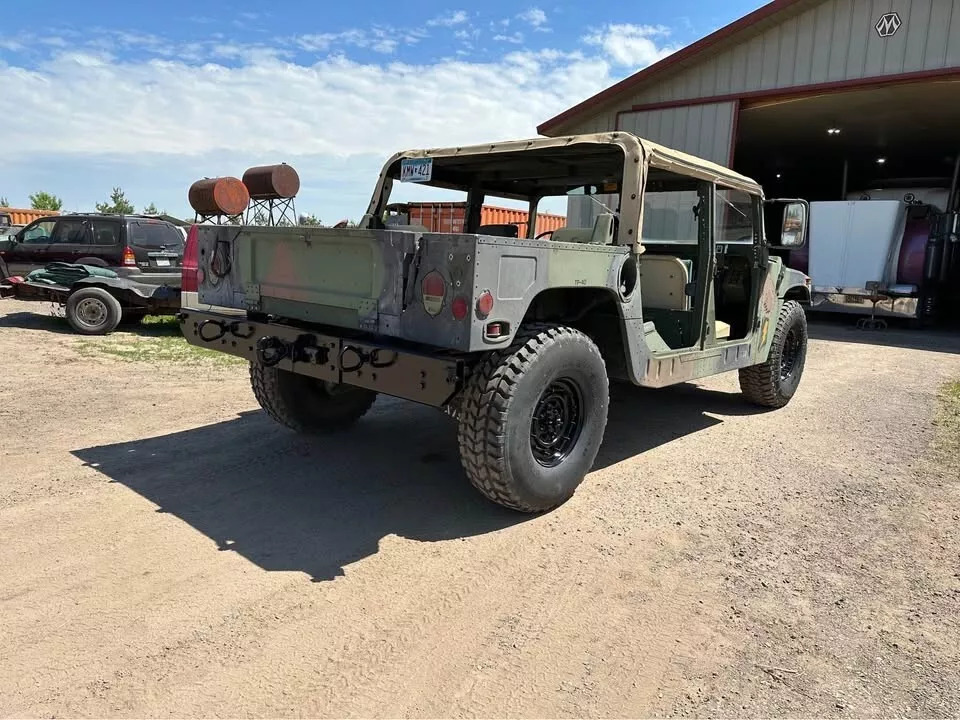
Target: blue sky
(151, 96)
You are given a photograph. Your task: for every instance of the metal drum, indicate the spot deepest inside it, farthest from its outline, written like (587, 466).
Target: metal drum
(219, 196)
(272, 182)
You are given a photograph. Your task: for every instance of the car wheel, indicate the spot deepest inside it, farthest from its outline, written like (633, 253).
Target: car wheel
(93, 311)
(305, 404)
(774, 382)
(533, 417)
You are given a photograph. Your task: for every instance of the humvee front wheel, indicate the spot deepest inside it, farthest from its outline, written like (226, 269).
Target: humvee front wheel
(773, 383)
(306, 404)
(533, 416)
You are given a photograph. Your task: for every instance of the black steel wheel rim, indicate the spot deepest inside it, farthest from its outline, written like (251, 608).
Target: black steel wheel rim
(790, 355)
(556, 423)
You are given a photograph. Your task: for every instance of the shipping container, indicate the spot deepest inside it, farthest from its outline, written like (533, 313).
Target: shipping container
(19, 216)
(447, 217)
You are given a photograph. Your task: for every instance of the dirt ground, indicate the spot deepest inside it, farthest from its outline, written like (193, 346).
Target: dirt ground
(166, 550)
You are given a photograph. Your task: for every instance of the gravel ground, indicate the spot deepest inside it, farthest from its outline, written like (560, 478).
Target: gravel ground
(167, 550)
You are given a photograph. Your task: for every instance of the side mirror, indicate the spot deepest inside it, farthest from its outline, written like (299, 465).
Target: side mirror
(793, 231)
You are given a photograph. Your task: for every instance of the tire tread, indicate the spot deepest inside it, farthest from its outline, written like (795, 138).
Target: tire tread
(265, 383)
(487, 396)
(759, 383)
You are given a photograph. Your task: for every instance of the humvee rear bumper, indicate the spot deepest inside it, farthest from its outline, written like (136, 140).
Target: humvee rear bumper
(426, 379)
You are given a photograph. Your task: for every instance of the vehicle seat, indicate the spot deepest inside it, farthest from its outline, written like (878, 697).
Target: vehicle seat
(721, 330)
(600, 234)
(663, 282)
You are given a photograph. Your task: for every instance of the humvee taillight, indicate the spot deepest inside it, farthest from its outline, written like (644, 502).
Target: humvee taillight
(459, 307)
(484, 304)
(433, 289)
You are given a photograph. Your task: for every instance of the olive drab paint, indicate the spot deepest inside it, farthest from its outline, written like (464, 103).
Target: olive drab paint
(371, 281)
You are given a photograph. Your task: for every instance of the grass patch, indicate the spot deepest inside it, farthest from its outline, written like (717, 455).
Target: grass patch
(156, 339)
(948, 423)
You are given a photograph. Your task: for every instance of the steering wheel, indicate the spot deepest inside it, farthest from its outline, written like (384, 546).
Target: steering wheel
(545, 234)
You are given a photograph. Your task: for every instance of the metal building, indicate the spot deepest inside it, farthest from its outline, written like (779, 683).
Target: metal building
(829, 100)
(763, 93)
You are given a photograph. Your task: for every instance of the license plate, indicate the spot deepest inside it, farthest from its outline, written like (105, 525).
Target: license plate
(163, 262)
(416, 170)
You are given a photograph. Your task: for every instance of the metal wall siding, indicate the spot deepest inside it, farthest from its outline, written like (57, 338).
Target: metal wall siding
(938, 40)
(832, 41)
(704, 130)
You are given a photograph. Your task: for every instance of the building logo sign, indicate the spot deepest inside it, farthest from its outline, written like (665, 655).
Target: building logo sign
(888, 24)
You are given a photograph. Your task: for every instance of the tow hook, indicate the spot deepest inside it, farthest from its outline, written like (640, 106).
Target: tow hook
(222, 328)
(361, 357)
(271, 350)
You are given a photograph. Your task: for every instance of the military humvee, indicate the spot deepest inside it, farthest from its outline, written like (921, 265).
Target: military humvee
(662, 275)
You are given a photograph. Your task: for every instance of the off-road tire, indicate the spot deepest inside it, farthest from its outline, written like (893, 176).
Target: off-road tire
(93, 311)
(305, 404)
(500, 399)
(765, 384)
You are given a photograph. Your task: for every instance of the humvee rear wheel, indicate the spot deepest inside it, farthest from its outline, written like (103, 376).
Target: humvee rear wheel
(773, 383)
(306, 404)
(533, 416)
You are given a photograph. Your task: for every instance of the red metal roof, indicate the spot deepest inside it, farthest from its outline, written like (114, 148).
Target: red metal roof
(683, 56)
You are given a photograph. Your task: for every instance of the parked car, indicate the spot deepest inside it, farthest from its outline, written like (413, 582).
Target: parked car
(125, 243)
(144, 256)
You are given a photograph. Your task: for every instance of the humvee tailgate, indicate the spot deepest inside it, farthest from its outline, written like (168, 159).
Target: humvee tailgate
(348, 278)
(318, 275)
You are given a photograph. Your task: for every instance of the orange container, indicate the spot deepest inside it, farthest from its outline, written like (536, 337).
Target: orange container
(448, 217)
(21, 216)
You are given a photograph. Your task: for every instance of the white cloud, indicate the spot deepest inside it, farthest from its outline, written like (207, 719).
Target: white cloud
(515, 38)
(633, 46)
(534, 16)
(218, 106)
(377, 39)
(450, 19)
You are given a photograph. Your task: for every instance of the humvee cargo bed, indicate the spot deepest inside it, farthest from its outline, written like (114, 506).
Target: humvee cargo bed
(662, 275)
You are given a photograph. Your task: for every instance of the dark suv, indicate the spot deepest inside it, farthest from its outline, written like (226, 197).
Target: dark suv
(127, 244)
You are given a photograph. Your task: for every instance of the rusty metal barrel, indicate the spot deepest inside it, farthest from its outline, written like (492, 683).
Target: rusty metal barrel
(219, 196)
(272, 182)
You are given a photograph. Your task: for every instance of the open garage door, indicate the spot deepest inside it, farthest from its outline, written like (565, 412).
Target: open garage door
(883, 144)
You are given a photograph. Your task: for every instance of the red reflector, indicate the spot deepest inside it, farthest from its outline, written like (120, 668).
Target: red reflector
(494, 329)
(484, 303)
(433, 288)
(129, 259)
(460, 308)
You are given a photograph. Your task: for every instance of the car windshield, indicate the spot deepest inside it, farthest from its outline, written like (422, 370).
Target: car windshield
(158, 235)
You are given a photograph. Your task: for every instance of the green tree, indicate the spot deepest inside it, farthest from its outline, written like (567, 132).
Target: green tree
(151, 209)
(4, 202)
(311, 220)
(118, 205)
(45, 201)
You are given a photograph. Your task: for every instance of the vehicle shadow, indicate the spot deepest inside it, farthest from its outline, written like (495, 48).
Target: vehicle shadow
(897, 334)
(641, 419)
(317, 504)
(52, 320)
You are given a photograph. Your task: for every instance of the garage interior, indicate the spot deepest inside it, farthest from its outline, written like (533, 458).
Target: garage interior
(854, 144)
(827, 146)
